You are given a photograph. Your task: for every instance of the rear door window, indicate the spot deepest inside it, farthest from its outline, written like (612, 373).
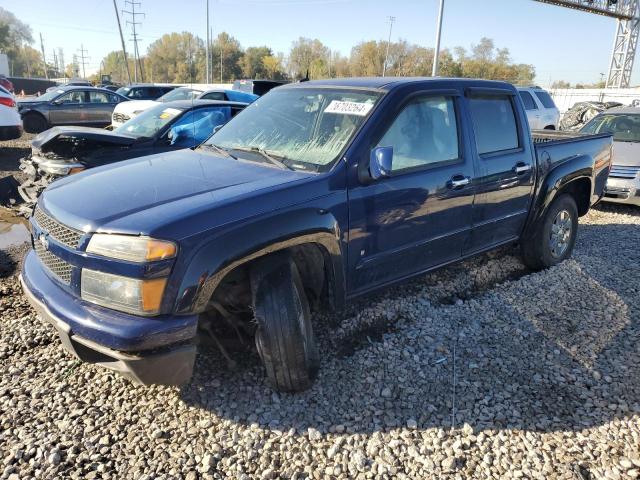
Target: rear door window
(214, 96)
(527, 99)
(494, 123)
(545, 99)
(98, 97)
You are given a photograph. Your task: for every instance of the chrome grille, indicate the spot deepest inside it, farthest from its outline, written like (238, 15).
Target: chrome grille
(59, 232)
(623, 171)
(120, 117)
(54, 264)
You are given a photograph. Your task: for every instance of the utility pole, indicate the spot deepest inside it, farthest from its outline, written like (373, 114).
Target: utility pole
(84, 60)
(136, 53)
(124, 50)
(44, 58)
(436, 54)
(208, 40)
(386, 57)
(61, 65)
(56, 72)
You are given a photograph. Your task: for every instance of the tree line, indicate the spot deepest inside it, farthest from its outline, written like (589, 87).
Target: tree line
(180, 57)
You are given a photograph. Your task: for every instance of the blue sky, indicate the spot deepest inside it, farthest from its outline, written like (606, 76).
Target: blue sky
(562, 44)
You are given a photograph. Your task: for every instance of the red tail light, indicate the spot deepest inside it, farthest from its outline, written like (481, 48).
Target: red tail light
(7, 102)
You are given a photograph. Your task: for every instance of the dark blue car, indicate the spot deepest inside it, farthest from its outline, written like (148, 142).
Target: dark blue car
(316, 193)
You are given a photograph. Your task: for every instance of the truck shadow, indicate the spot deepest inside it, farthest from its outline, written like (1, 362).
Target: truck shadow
(549, 351)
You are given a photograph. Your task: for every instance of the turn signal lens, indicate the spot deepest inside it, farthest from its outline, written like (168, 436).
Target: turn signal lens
(130, 248)
(76, 170)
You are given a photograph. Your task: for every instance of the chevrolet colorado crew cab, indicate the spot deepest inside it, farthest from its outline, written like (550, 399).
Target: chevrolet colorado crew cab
(317, 193)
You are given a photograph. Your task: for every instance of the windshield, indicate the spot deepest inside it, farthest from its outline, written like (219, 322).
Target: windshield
(303, 128)
(47, 97)
(180, 94)
(123, 91)
(625, 127)
(149, 122)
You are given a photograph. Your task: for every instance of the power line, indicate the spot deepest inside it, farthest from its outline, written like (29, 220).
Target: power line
(136, 53)
(83, 59)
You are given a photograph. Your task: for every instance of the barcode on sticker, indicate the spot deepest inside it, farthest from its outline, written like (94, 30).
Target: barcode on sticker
(348, 108)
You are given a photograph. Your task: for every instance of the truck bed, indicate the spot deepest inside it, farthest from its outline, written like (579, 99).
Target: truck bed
(555, 136)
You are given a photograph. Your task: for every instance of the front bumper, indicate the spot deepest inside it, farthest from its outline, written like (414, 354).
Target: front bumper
(155, 350)
(622, 190)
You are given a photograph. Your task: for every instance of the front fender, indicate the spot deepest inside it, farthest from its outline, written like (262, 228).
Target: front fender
(557, 179)
(223, 252)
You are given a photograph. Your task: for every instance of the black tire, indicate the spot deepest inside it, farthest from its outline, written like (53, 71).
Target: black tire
(537, 250)
(34, 123)
(284, 336)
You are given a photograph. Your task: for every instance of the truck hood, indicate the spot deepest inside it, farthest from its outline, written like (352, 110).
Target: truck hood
(131, 106)
(141, 195)
(626, 153)
(56, 136)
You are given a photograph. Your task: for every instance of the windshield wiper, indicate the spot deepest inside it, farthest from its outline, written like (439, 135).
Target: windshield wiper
(264, 154)
(218, 149)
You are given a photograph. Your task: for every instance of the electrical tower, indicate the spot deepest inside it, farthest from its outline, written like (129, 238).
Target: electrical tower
(61, 65)
(136, 53)
(627, 14)
(83, 60)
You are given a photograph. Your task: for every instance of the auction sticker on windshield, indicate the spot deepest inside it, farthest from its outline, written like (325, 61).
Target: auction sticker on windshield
(169, 112)
(349, 108)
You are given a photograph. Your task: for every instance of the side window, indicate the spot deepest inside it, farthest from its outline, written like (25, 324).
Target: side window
(98, 97)
(527, 99)
(214, 96)
(75, 96)
(424, 133)
(494, 123)
(545, 99)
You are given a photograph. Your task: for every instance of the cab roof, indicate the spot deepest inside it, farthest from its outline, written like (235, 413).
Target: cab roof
(389, 83)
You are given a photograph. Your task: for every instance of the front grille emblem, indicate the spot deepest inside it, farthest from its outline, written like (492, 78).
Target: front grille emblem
(44, 241)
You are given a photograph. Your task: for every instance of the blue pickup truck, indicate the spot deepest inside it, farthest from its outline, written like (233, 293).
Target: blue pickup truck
(317, 193)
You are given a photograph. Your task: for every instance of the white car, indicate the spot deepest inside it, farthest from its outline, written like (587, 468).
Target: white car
(127, 110)
(10, 121)
(542, 112)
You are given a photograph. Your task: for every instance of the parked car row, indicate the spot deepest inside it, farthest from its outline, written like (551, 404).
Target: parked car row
(315, 194)
(127, 111)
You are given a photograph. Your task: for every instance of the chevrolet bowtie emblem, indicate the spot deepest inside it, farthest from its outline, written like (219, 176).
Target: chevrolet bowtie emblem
(44, 241)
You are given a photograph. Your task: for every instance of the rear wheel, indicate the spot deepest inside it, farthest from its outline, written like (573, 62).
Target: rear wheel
(284, 336)
(34, 123)
(554, 240)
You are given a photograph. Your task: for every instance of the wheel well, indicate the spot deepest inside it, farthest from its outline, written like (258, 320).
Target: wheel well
(312, 261)
(580, 190)
(550, 127)
(34, 113)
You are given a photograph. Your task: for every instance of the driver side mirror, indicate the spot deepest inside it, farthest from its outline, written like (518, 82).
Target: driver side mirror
(56, 102)
(380, 162)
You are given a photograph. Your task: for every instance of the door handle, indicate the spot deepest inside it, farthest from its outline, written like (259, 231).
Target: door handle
(521, 168)
(458, 181)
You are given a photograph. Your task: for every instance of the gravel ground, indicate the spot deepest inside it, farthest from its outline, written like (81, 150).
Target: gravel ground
(481, 370)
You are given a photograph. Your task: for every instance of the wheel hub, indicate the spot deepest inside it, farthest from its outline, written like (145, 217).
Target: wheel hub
(560, 235)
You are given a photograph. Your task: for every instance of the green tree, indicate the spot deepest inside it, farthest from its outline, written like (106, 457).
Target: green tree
(15, 37)
(253, 62)
(113, 64)
(175, 57)
(227, 54)
(308, 56)
(273, 67)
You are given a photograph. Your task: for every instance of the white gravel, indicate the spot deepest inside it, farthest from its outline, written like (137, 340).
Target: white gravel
(482, 370)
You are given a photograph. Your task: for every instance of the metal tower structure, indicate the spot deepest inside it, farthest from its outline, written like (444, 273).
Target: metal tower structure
(627, 14)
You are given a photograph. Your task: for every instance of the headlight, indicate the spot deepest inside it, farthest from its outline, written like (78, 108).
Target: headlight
(56, 168)
(133, 249)
(126, 294)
